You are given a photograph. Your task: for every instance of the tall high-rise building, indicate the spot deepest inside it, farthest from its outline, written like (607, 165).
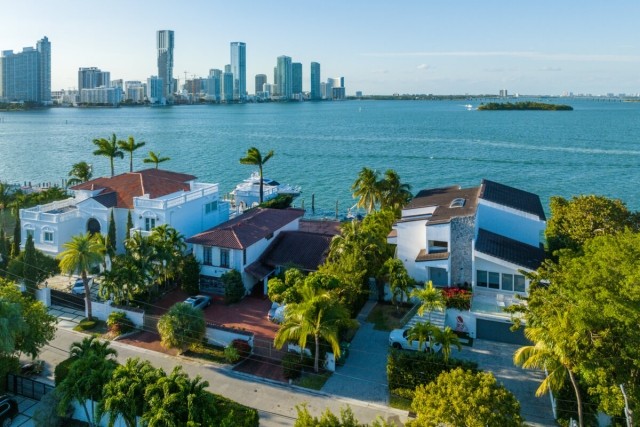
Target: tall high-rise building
(315, 81)
(92, 77)
(284, 77)
(26, 76)
(239, 70)
(155, 87)
(261, 80)
(215, 84)
(296, 78)
(165, 44)
(227, 87)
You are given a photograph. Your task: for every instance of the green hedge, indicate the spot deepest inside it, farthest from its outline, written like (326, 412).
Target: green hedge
(62, 370)
(407, 369)
(243, 415)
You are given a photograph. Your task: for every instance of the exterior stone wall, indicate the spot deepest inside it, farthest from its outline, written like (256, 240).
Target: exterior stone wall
(462, 232)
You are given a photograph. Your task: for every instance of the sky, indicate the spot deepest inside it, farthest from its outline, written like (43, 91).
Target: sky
(381, 47)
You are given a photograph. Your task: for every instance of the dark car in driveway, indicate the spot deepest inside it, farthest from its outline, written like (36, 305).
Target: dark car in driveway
(8, 410)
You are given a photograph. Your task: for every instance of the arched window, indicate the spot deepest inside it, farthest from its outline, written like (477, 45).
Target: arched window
(93, 226)
(47, 235)
(29, 230)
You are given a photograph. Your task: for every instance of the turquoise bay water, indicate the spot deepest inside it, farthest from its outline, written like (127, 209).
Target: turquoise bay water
(322, 146)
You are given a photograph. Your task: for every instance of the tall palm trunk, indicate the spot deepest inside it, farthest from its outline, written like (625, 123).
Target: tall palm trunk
(578, 397)
(316, 364)
(261, 186)
(87, 294)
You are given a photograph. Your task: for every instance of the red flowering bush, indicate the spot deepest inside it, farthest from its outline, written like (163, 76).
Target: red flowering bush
(457, 298)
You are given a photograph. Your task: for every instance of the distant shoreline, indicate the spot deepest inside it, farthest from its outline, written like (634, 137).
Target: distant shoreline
(524, 106)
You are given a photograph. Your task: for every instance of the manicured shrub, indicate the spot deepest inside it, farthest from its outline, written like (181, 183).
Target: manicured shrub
(407, 369)
(62, 370)
(242, 347)
(231, 354)
(292, 366)
(190, 276)
(86, 325)
(119, 323)
(234, 289)
(457, 298)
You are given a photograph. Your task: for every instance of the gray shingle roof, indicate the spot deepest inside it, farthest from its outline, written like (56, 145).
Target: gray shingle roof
(509, 250)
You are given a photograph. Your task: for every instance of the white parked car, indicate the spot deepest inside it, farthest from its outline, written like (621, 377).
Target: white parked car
(78, 286)
(199, 301)
(276, 313)
(398, 339)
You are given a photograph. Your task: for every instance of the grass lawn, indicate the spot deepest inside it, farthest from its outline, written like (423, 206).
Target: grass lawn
(387, 317)
(312, 381)
(208, 352)
(399, 402)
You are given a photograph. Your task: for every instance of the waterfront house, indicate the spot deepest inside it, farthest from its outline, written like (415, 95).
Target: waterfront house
(153, 196)
(258, 244)
(482, 237)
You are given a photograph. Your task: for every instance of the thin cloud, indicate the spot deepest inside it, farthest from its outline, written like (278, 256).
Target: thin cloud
(550, 69)
(511, 54)
(423, 67)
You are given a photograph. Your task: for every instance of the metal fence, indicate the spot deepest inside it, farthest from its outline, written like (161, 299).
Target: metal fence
(27, 387)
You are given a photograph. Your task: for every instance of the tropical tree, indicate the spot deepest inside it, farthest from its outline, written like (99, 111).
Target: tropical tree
(81, 253)
(394, 194)
(80, 172)
(124, 394)
(92, 368)
(108, 148)
(169, 246)
(421, 332)
(446, 338)
(254, 157)
(181, 327)
(318, 316)
(155, 158)
(17, 238)
(110, 242)
(122, 282)
(366, 189)
(430, 299)
(127, 233)
(142, 254)
(465, 398)
(29, 268)
(399, 280)
(129, 146)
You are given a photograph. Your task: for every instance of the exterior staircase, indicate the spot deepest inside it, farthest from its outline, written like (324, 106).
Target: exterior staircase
(437, 319)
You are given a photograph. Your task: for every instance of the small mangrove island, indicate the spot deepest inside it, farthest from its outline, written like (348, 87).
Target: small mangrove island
(524, 106)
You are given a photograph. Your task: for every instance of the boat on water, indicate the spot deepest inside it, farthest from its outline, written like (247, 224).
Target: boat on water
(247, 193)
(468, 106)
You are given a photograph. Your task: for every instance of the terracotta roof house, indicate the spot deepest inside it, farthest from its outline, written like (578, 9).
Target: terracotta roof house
(482, 237)
(153, 197)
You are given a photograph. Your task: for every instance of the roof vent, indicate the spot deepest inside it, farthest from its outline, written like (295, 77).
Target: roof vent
(457, 203)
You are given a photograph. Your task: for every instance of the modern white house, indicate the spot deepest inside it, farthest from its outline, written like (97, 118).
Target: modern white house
(153, 196)
(482, 237)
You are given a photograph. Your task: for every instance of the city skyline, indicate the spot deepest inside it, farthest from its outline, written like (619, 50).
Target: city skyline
(380, 48)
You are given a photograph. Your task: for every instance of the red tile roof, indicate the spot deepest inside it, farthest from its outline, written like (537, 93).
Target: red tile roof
(154, 182)
(247, 229)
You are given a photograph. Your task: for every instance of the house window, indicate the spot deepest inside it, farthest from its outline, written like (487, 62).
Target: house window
(244, 256)
(437, 246)
(438, 276)
(481, 278)
(48, 236)
(507, 282)
(494, 280)
(206, 255)
(149, 223)
(29, 232)
(519, 283)
(224, 258)
(210, 207)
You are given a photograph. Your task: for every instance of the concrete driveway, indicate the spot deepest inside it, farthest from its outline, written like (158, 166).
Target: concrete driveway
(364, 374)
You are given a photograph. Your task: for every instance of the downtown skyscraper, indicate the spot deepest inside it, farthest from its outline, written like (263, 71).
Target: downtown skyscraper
(239, 70)
(165, 44)
(284, 77)
(315, 81)
(26, 76)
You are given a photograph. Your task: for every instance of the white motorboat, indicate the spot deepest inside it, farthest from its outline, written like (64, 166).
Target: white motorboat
(247, 193)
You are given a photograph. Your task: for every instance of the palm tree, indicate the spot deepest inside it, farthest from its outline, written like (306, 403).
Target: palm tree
(366, 189)
(431, 299)
(81, 253)
(550, 351)
(254, 157)
(124, 393)
(398, 278)
(80, 172)
(142, 255)
(91, 346)
(421, 332)
(169, 247)
(393, 193)
(446, 338)
(155, 159)
(108, 148)
(318, 316)
(129, 146)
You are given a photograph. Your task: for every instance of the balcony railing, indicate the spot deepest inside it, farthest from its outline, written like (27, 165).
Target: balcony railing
(199, 191)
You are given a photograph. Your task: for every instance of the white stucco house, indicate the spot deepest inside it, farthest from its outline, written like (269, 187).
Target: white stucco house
(481, 237)
(153, 196)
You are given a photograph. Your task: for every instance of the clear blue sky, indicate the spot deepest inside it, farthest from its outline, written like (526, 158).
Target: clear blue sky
(379, 46)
